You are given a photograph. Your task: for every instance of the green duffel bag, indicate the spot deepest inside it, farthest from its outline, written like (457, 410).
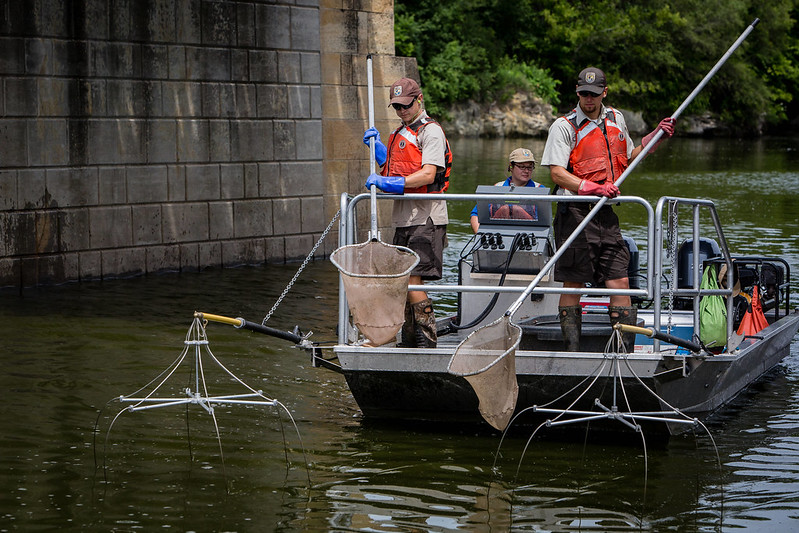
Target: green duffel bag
(712, 313)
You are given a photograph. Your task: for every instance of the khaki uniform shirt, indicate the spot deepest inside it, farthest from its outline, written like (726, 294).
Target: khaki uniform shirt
(432, 143)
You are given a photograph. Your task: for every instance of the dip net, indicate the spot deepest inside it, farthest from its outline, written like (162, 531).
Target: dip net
(375, 277)
(488, 362)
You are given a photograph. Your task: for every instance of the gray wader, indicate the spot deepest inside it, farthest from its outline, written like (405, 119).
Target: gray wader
(571, 322)
(624, 315)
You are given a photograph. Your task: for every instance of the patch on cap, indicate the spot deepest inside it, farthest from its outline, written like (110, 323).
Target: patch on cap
(521, 155)
(591, 79)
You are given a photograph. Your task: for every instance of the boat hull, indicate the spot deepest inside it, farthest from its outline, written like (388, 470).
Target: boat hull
(410, 384)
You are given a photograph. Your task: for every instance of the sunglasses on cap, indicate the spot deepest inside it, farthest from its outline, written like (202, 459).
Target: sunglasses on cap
(586, 94)
(397, 107)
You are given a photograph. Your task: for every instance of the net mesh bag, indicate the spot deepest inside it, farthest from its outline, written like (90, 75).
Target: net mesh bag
(487, 359)
(375, 277)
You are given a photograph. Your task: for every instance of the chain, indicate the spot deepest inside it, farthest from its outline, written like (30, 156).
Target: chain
(302, 266)
(671, 240)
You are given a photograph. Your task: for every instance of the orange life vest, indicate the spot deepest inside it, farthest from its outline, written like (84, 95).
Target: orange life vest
(600, 152)
(511, 212)
(405, 157)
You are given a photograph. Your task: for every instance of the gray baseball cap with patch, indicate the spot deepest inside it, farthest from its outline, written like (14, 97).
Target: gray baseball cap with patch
(591, 79)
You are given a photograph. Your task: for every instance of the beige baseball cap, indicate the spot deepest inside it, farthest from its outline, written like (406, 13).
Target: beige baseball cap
(522, 155)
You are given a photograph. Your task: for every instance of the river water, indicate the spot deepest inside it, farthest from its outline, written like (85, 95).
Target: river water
(69, 350)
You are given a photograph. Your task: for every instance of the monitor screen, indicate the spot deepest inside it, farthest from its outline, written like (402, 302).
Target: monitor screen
(514, 213)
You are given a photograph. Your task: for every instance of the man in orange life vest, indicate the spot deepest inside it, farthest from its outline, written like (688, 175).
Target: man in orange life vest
(417, 159)
(586, 152)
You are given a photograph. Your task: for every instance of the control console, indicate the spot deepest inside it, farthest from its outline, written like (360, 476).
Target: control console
(492, 249)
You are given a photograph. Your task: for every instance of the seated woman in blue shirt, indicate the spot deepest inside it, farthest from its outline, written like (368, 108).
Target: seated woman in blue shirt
(521, 164)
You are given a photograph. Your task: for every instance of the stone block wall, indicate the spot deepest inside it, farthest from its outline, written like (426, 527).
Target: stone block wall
(141, 136)
(368, 28)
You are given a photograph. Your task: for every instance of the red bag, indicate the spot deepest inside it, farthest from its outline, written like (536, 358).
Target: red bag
(754, 320)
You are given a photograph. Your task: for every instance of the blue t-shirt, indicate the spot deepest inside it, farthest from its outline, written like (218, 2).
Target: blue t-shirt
(506, 183)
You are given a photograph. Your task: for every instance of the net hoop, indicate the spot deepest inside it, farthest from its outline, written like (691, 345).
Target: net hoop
(495, 383)
(345, 266)
(375, 276)
(512, 337)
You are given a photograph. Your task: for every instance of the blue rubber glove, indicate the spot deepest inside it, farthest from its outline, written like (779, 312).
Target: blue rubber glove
(392, 184)
(380, 149)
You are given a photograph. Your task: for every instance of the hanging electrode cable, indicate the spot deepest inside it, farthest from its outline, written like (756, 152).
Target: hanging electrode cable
(302, 267)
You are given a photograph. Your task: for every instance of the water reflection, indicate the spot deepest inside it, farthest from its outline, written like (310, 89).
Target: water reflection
(760, 479)
(68, 350)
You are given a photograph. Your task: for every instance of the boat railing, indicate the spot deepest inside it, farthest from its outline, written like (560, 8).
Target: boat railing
(783, 288)
(348, 232)
(654, 269)
(668, 206)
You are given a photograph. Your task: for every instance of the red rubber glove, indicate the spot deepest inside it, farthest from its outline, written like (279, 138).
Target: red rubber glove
(667, 125)
(590, 188)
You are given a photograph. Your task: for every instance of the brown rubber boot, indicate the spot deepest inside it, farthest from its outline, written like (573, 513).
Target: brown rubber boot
(408, 335)
(425, 324)
(624, 315)
(571, 322)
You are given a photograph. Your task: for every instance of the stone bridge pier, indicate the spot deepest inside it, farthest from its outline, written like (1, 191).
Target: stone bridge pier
(176, 135)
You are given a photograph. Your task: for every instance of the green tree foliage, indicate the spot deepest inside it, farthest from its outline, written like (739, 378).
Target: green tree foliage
(654, 53)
